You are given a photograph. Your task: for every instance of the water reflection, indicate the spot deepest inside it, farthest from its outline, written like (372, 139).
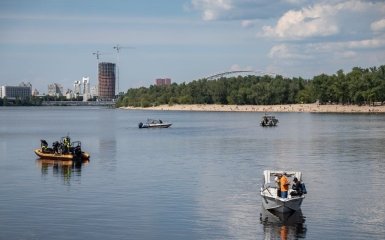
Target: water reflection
(65, 169)
(283, 225)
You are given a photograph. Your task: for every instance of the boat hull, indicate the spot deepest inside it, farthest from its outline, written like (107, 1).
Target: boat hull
(58, 156)
(156, 125)
(278, 204)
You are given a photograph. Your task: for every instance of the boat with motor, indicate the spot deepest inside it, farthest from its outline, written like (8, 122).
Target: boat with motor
(269, 121)
(271, 199)
(153, 123)
(63, 150)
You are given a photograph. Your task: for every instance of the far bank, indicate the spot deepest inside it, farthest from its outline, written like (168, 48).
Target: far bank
(267, 108)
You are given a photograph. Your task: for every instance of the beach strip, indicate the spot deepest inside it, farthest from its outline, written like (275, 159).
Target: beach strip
(313, 108)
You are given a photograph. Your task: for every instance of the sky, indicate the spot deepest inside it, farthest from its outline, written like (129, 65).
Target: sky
(54, 41)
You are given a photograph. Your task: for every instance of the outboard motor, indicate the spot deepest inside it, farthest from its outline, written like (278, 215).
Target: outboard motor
(140, 125)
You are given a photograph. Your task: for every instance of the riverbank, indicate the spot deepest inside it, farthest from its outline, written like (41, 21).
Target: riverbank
(267, 108)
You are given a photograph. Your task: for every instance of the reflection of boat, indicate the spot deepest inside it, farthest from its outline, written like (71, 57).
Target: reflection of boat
(269, 193)
(66, 169)
(55, 162)
(288, 218)
(269, 121)
(63, 150)
(283, 225)
(153, 123)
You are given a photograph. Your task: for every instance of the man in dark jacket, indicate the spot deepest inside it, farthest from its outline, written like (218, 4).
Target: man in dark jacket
(297, 187)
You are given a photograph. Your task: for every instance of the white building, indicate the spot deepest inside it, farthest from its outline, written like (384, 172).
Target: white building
(94, 91)
(77, 88)
(86, 89)
(13, 92)
(55, 89)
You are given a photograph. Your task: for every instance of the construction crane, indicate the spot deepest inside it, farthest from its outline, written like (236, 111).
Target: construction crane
(97, 53)
(117, 48)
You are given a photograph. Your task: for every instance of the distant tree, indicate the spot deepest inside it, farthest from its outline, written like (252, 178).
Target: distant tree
(359, 86)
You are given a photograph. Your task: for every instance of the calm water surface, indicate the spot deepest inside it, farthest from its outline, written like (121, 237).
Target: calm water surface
(198, 179)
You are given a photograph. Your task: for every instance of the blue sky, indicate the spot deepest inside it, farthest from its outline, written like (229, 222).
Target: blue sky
(43, 42)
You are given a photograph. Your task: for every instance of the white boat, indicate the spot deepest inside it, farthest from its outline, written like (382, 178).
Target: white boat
(269, 121)
(270, 198)
(153, 123)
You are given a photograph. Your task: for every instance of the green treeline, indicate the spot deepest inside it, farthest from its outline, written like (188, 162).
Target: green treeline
(30, 101)
(360, 86)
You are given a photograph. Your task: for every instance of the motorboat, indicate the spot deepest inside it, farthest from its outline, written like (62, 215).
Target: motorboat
(269, 121)
(269, 192)
(63, 150)
(154, 123)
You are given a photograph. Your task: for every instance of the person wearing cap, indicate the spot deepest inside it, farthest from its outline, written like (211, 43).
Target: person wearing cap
(284, 182)
(296, 187)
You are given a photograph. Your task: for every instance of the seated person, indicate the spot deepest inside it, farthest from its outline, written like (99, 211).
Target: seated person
(297, 188)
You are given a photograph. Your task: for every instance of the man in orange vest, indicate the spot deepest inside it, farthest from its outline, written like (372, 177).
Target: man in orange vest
(284, 185)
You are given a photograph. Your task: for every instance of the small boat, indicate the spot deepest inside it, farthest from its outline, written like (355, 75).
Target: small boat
(269, 121)
(269, 192)
(153, 123)
(64, 150)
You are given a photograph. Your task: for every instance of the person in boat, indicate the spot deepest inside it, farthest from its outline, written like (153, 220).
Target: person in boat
(284, 182)
(67, 144)
(44, 146)
(277, 181)
(297, 188)
(55, 147)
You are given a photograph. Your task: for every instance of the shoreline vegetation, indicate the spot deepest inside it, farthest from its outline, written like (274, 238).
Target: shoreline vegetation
(361, 90)
(310, 108)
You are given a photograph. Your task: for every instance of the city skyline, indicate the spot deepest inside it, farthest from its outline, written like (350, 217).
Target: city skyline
(44, 42)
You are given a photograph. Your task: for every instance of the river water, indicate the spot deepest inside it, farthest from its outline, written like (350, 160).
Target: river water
(198, 179)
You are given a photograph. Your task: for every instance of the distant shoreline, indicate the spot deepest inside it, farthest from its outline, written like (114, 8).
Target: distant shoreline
(313, 108)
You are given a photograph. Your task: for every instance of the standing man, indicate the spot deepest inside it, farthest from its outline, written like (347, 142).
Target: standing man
(278, 182)
(284, 185)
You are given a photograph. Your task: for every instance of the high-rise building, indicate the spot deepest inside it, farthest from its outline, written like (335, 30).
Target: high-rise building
(55, 89)
(86, 89)
(106, 81)
(77, 88)
(86, 85)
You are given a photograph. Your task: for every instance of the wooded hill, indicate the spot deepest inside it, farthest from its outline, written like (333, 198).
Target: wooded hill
(360, 86)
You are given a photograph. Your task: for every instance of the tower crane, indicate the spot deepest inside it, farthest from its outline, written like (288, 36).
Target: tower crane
(97, 54)
(117, 48)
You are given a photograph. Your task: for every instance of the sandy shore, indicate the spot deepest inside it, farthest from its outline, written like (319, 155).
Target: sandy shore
(268, 108)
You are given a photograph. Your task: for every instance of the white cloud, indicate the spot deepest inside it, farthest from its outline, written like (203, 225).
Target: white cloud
(377, 42)
(247, 23)
(341, 49)
(286, 51)
(211, 9)
(378, 26)
(325, 19)
(308, 22)
(242, 9)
